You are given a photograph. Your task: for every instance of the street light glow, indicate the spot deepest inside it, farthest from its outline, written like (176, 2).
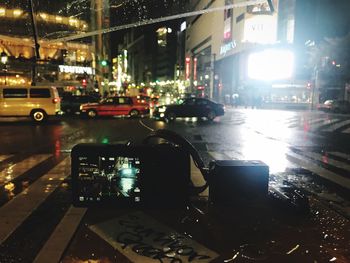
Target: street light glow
(4, 57)
(271, 64)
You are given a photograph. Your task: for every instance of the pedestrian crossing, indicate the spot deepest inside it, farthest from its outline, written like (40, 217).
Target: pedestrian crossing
(325, 165)
(12, 171)
(4, 157)
(16, 211)
(337, 125)
(302, 121)
(63, 233)
(320, 124)
(24, 203)
(312, 166)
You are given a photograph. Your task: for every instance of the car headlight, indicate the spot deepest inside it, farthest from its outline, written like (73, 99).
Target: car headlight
(162, 109)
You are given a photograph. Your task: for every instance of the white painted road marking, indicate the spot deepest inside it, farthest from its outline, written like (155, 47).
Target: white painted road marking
(329, 175)
(4, 157)
(342, 155)
(327, 160)
(336, 126)
(54, 248)
(14, 212)
(14, 170)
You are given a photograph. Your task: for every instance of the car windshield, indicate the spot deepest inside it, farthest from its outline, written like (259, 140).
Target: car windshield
(273, 151)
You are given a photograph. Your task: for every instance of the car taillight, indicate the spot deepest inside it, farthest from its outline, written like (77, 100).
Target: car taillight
(56, 100)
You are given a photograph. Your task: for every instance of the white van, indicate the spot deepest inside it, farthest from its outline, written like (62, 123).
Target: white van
(38, 102)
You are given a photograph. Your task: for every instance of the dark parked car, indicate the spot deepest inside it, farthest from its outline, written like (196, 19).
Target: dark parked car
(191, 107)
(71, 104)
(336, 106)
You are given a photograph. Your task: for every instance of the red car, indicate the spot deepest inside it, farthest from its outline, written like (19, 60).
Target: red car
(115, 106)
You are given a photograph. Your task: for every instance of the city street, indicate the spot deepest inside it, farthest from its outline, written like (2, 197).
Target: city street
(309, 150)
(174, 131)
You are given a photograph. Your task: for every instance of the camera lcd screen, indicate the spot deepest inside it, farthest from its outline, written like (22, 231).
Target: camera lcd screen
(106, 178)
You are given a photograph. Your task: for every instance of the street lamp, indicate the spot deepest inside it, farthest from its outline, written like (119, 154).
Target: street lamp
(4, 59)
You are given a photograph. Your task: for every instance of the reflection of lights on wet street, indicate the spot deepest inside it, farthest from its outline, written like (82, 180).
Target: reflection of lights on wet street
(265, 140)
(25, 184)
(64, 185)
(273, 153)
(7, 174)
(9, 188)
(271, 126)
(49, 188)
(57, 148)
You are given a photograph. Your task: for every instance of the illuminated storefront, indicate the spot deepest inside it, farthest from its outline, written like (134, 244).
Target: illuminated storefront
(59, 62)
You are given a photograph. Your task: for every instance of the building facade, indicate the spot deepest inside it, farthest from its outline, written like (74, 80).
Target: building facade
(252, 54)
(63, 64)
(234, 54)
(151, 55)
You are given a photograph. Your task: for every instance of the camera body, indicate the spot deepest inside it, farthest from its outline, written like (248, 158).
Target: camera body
(121, 175)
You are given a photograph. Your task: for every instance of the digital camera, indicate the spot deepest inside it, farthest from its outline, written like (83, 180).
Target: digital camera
(158, 176)
(117, 175)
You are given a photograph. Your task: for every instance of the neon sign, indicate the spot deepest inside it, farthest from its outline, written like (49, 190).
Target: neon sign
(227, 47)
(76, 69)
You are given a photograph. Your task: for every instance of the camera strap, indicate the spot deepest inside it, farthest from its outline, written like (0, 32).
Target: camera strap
(177, 139)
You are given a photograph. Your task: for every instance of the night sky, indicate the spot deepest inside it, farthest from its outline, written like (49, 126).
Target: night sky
(317, 19)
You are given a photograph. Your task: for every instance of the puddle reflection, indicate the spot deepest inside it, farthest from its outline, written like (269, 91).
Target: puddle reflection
(9, 188)
(273, 153)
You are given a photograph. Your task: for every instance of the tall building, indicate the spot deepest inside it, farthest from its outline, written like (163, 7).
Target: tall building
(151, 52)
(236, 52)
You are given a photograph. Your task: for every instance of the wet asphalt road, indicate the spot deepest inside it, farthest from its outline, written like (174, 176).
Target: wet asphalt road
(282, 139)
(285, 140)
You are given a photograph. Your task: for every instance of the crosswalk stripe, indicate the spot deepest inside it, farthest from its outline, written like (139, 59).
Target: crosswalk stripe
(54, 248)
(14, 170)
(4, 157)
(336, 126)
(314, 121)
(341, 155)
(329, 175)
(301, 122)
(327, 160)
(290, 121)
(325, 122)
(14, 212)
(346, 131)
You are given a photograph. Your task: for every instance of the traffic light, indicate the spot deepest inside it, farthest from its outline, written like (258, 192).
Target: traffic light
(105, 140)
(104, 63)
(84, 83)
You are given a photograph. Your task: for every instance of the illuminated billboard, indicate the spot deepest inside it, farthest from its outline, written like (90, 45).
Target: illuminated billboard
(262, 8)
(271, 64)
(260, 29)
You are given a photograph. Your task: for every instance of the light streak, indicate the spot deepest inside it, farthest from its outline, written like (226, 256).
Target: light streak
(157, 20)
